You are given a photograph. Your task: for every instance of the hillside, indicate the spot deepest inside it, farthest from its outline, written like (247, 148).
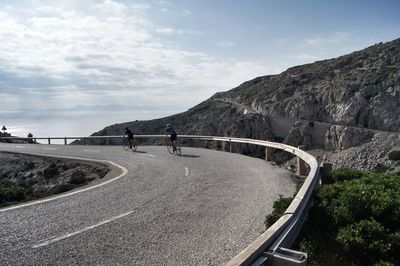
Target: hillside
(334, 107)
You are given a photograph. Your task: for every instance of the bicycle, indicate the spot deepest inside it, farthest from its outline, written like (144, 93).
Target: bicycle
(125, 143)
(171, 144)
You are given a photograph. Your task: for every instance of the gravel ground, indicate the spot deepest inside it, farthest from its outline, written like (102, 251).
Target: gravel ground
(371, 156)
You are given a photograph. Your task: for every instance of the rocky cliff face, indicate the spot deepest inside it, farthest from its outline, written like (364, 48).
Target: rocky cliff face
(334, 105)
(361, 89)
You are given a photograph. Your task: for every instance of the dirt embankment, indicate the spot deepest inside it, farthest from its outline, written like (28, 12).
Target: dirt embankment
(27, 177)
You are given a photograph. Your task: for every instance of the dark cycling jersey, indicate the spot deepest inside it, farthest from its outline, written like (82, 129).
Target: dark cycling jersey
(171, 131)
(129, 133)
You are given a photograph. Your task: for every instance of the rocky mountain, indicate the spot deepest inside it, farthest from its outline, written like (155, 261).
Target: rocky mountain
(331, 107)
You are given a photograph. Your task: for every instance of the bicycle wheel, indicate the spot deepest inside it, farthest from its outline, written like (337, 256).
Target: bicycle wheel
(134, 146)
(178, 150)
(169, 146)
(125, 143)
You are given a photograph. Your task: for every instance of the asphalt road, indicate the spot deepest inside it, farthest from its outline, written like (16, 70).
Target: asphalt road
(201, 208)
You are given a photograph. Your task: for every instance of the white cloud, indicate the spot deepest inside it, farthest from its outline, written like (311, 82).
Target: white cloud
(337, 38)
(58, 57)
(174, 10)
(140, 6)
(171, 31)
(316, 48)
(305, 57)
(225, 44)
(165, 30)
(109, 6)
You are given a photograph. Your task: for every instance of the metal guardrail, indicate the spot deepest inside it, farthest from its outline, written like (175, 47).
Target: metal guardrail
(283, 232)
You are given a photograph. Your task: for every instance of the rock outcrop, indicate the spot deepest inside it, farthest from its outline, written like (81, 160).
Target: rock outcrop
(335, 105)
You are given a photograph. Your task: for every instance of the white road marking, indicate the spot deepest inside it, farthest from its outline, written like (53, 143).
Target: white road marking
(150, 155)
(53, 149)
(56, 239)
(186, 171)
(19, 147)
(92, 150)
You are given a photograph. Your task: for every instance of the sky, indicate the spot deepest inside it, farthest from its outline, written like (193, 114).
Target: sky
(72, 67)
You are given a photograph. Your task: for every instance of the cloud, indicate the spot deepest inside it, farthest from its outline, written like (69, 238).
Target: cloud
(305, 57)
(316, 48)
(106, 53)
(109, 6)
(170, 8)
(225, 44)
(337, 38)
(140, 6)
(170, 31)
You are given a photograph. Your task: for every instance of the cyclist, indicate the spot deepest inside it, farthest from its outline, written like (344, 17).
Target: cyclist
(171, 131)
(129, 133)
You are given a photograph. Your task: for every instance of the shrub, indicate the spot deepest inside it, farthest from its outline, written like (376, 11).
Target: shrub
(78, 177)
(29, 165)
(101, 171)
(344, 174)
(365, 240)
(357, 220)
(280, 207)
(394, 155)
(11, 193)
(381, 168)
(64, 167)
(50, 171)
(60, 189)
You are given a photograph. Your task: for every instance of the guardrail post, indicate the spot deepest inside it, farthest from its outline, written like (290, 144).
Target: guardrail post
(301, 166)
(268, 154)
(326, 169)
(48, 141)
(107, 141)
(230, 146)
(65, 141)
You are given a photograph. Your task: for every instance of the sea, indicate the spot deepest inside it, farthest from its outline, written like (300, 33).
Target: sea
(71, 124)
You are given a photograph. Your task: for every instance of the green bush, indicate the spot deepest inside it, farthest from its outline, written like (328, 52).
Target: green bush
(381, 168)
(11, 193)
(394, 155)
(344, 174)
(383, 263)
(355, 221)
(366, 240)
(280, 207)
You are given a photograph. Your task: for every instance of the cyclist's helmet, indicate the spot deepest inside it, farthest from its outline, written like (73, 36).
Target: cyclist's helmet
(168, 125)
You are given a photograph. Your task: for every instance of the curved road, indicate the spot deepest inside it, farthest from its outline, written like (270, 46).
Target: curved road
(201, 208)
